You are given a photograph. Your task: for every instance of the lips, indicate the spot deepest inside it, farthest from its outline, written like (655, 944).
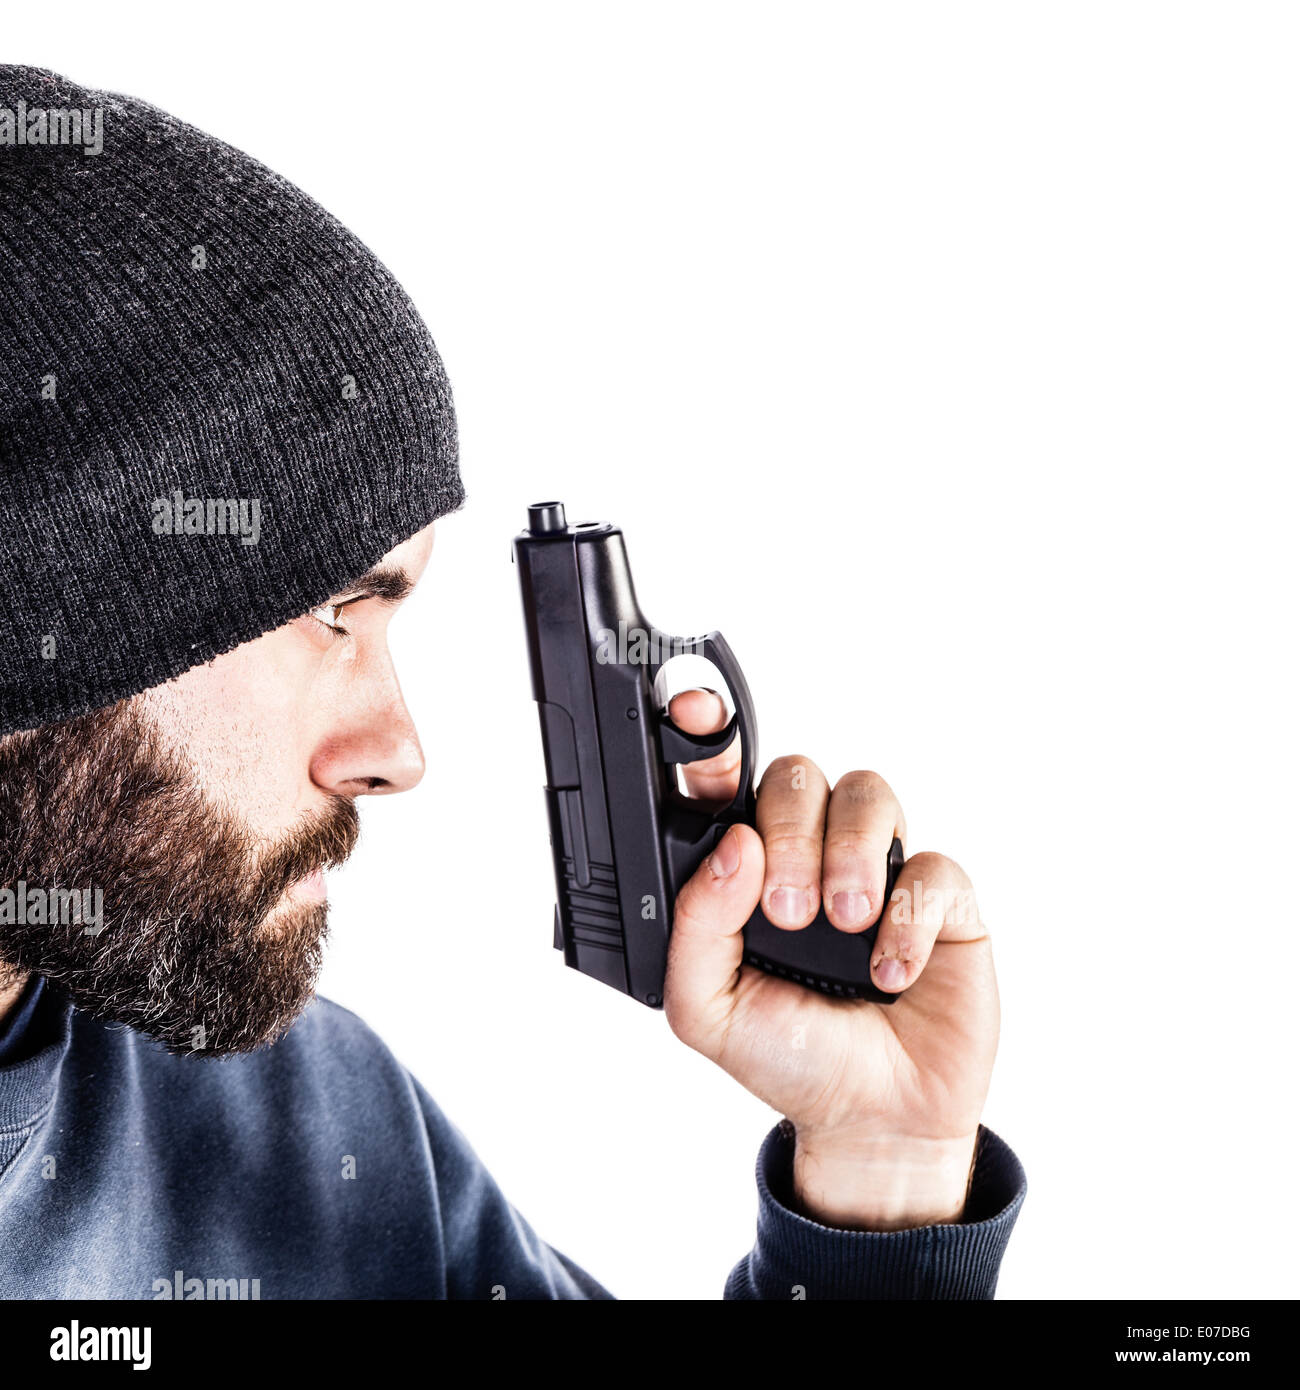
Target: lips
(312, 886)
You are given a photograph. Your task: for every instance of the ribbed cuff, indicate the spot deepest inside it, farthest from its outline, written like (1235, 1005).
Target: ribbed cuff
(795, 1257)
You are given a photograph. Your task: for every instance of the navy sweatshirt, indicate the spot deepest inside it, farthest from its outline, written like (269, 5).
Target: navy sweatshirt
(320, 1168)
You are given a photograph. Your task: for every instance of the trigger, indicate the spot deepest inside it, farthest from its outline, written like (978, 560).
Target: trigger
(690, 748)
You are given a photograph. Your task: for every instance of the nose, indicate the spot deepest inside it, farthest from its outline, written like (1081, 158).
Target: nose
(371, 750)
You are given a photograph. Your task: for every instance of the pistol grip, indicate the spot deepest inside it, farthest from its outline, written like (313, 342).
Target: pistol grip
(820, 956)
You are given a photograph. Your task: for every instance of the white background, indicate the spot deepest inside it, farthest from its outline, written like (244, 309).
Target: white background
(942, 355)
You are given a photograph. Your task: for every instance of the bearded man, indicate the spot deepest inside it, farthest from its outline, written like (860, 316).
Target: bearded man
(225, 437)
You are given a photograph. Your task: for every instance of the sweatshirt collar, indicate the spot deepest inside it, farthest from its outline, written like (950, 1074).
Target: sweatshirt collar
(27, 1087)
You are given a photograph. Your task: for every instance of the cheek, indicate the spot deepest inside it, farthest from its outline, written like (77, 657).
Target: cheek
(239, 723)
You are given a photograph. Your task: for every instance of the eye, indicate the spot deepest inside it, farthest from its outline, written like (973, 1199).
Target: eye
(328, 616)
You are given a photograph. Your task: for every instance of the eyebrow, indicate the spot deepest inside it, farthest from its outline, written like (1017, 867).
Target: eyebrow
(387, 583)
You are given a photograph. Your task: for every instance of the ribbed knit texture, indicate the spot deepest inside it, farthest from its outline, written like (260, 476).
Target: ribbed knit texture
(958, 1261)
(227, 382)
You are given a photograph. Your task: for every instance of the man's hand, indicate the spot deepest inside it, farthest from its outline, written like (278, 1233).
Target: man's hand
(885, 1100)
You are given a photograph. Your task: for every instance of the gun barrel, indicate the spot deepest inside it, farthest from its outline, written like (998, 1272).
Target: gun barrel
(605, 783)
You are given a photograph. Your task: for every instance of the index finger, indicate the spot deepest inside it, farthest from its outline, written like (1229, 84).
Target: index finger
(704, 712)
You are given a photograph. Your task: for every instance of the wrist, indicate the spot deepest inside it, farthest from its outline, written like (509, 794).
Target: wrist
(882, 1183)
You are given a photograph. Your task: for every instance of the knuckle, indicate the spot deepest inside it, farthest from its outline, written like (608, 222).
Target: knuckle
(862, 785)
(868, 791)
(688, 909)
(786, 845)
(935, 890)
(792, 769)
(845, 844)
(938, 871)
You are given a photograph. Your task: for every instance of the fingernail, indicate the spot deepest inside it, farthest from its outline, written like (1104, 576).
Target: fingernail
(851, 908)
(891, 973)
(789, 905)
(725, 859)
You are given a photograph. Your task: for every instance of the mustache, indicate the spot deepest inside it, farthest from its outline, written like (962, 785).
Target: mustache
(104, 800)
(327, 838)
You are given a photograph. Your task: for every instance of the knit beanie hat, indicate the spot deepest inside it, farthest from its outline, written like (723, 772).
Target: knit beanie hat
(217, 408)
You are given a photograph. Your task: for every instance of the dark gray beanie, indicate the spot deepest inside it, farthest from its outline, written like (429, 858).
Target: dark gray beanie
(216, 407)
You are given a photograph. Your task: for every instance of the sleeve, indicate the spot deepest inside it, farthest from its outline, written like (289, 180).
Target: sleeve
(489, 1251)
(796, 1258)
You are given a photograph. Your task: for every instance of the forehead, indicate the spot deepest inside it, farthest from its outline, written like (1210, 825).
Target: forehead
(412, 555)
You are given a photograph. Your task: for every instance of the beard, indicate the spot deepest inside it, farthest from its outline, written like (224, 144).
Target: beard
(194, 946)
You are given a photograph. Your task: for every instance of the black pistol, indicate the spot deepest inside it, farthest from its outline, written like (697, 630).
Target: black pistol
(623, 837)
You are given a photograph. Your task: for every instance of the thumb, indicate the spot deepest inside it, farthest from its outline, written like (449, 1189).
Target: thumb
(707, 946)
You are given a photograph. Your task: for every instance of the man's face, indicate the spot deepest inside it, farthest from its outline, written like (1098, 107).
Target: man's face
(205, 811)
